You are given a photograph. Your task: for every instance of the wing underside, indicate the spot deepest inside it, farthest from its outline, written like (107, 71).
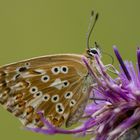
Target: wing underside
(54, 85)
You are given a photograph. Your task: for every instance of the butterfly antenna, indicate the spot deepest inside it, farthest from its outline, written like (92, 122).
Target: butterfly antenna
(91, 27)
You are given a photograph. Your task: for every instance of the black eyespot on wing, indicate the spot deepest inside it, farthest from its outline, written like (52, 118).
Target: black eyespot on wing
(22, 69)
(17, 76)
(59, 106)
(60, 110)
(55, 98)
(68, 94)
(65, 83)
(64, 69)
(56, 69)
(38, 94)
(45, 97)
(33, 89)
(45, 78)
(72, 102)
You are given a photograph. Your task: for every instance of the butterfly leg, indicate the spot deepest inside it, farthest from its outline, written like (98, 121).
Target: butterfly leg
(111, 69)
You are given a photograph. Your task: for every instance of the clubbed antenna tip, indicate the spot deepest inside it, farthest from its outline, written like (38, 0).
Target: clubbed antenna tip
(92, 13)
(96, 17)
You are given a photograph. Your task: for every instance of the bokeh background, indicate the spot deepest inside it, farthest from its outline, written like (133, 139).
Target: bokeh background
(30, 28)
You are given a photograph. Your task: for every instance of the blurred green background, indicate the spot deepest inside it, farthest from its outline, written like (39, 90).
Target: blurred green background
(31, 28)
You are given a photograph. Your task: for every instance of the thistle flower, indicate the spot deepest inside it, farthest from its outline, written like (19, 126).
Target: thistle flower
(115, 110)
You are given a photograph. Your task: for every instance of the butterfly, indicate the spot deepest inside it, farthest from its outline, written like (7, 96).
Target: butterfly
(57, 85)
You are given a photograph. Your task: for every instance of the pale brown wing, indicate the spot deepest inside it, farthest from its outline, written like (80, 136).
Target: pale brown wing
(55, 84)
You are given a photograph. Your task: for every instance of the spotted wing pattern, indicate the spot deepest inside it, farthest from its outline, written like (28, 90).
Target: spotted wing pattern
(57, 85)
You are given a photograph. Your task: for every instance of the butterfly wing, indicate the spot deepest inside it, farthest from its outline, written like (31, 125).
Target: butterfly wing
(57, 85)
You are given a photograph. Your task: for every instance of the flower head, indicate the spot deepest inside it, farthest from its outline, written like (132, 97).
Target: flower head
(115, 106)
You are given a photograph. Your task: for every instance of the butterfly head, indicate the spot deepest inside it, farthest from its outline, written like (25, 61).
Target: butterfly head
(91, 52)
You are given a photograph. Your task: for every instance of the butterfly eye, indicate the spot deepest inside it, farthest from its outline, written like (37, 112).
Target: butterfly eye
(68, 95)
(72, 103)
(94, 51)
(33, 89)
(55, 98)
(56, 70)
(64, 69)
(46, 97)
(45, 78)
(59, 108)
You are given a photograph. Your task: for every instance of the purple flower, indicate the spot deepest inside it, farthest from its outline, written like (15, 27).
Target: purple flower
(116, 103)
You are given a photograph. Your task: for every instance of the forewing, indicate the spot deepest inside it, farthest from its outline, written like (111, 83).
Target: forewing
(52, 84)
